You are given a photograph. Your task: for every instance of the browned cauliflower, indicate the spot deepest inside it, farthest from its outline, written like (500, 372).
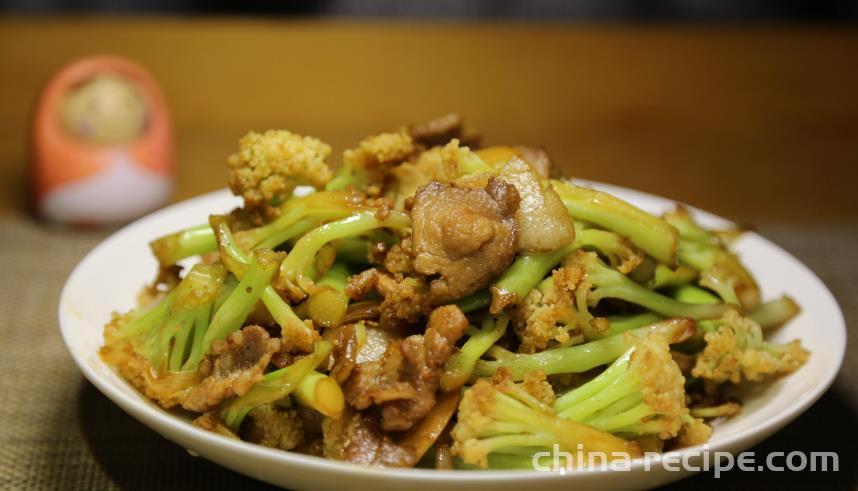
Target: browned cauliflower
(737, 351)
(440, 164)
(694, 431)
(546, 316)
(647, 393)
(273, 427)
(498, 417)
(367, 166)
(268, 166)
(379, 151)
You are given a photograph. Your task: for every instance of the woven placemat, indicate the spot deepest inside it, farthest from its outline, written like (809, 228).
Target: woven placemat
(58, 432)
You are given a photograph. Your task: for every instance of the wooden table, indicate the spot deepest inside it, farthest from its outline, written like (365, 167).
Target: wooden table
(754, 124)
(758, 124)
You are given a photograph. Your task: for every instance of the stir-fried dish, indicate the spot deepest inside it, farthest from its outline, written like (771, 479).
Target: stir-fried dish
(436, 303)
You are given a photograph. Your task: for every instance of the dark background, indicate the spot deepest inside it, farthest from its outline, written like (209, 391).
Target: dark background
(655, 10)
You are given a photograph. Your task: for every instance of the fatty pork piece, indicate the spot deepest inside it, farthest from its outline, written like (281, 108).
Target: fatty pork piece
(233, 366)
(543, 222)
(405, 380)
(538, 158)
(465, 237)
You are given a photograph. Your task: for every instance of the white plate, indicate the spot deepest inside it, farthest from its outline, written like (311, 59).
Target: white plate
(95, 289)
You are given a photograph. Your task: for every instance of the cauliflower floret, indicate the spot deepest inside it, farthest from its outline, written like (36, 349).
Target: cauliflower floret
(738, 351)
(269, 165)
(647, 392)
(542, 317)
(548, 314)
(497, 415)
(169, 389)
(375, 155)
(273, 427)
(148, 346)
(663, 386)
(537, 385)
(694, 431)
(379, 151)
(436, 164)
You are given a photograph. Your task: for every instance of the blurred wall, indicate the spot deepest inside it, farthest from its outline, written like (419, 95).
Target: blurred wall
(752, 123)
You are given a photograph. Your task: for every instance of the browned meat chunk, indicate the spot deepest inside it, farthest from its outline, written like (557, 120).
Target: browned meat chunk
(441, 130)
(360, 285)
(377, 382)
(404, 382)
(465, 236)
(425, 357)
(233, 366)
(404, 299)
(437, 131)
(357, 438)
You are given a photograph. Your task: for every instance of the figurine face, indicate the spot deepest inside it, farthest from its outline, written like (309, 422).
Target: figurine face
(106, 109)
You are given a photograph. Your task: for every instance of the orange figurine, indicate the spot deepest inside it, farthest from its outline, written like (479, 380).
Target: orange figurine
(101, 143)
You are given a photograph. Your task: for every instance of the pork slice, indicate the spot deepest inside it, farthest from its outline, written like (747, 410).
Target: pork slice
(463, 237)
(404, 383)
(233, 366)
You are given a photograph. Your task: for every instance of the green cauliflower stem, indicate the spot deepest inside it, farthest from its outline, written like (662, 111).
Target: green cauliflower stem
(296, 217)
(297, 271)
(275, 386)
(460, 366)
(296, 334)
(154, 348)
(237, 306)
(601, 282)
(641, 393)
(655, 236)
(719, 269)
(500, 417)
(582, 357)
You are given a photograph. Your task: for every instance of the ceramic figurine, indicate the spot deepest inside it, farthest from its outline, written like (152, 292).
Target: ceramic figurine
(101, 143)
